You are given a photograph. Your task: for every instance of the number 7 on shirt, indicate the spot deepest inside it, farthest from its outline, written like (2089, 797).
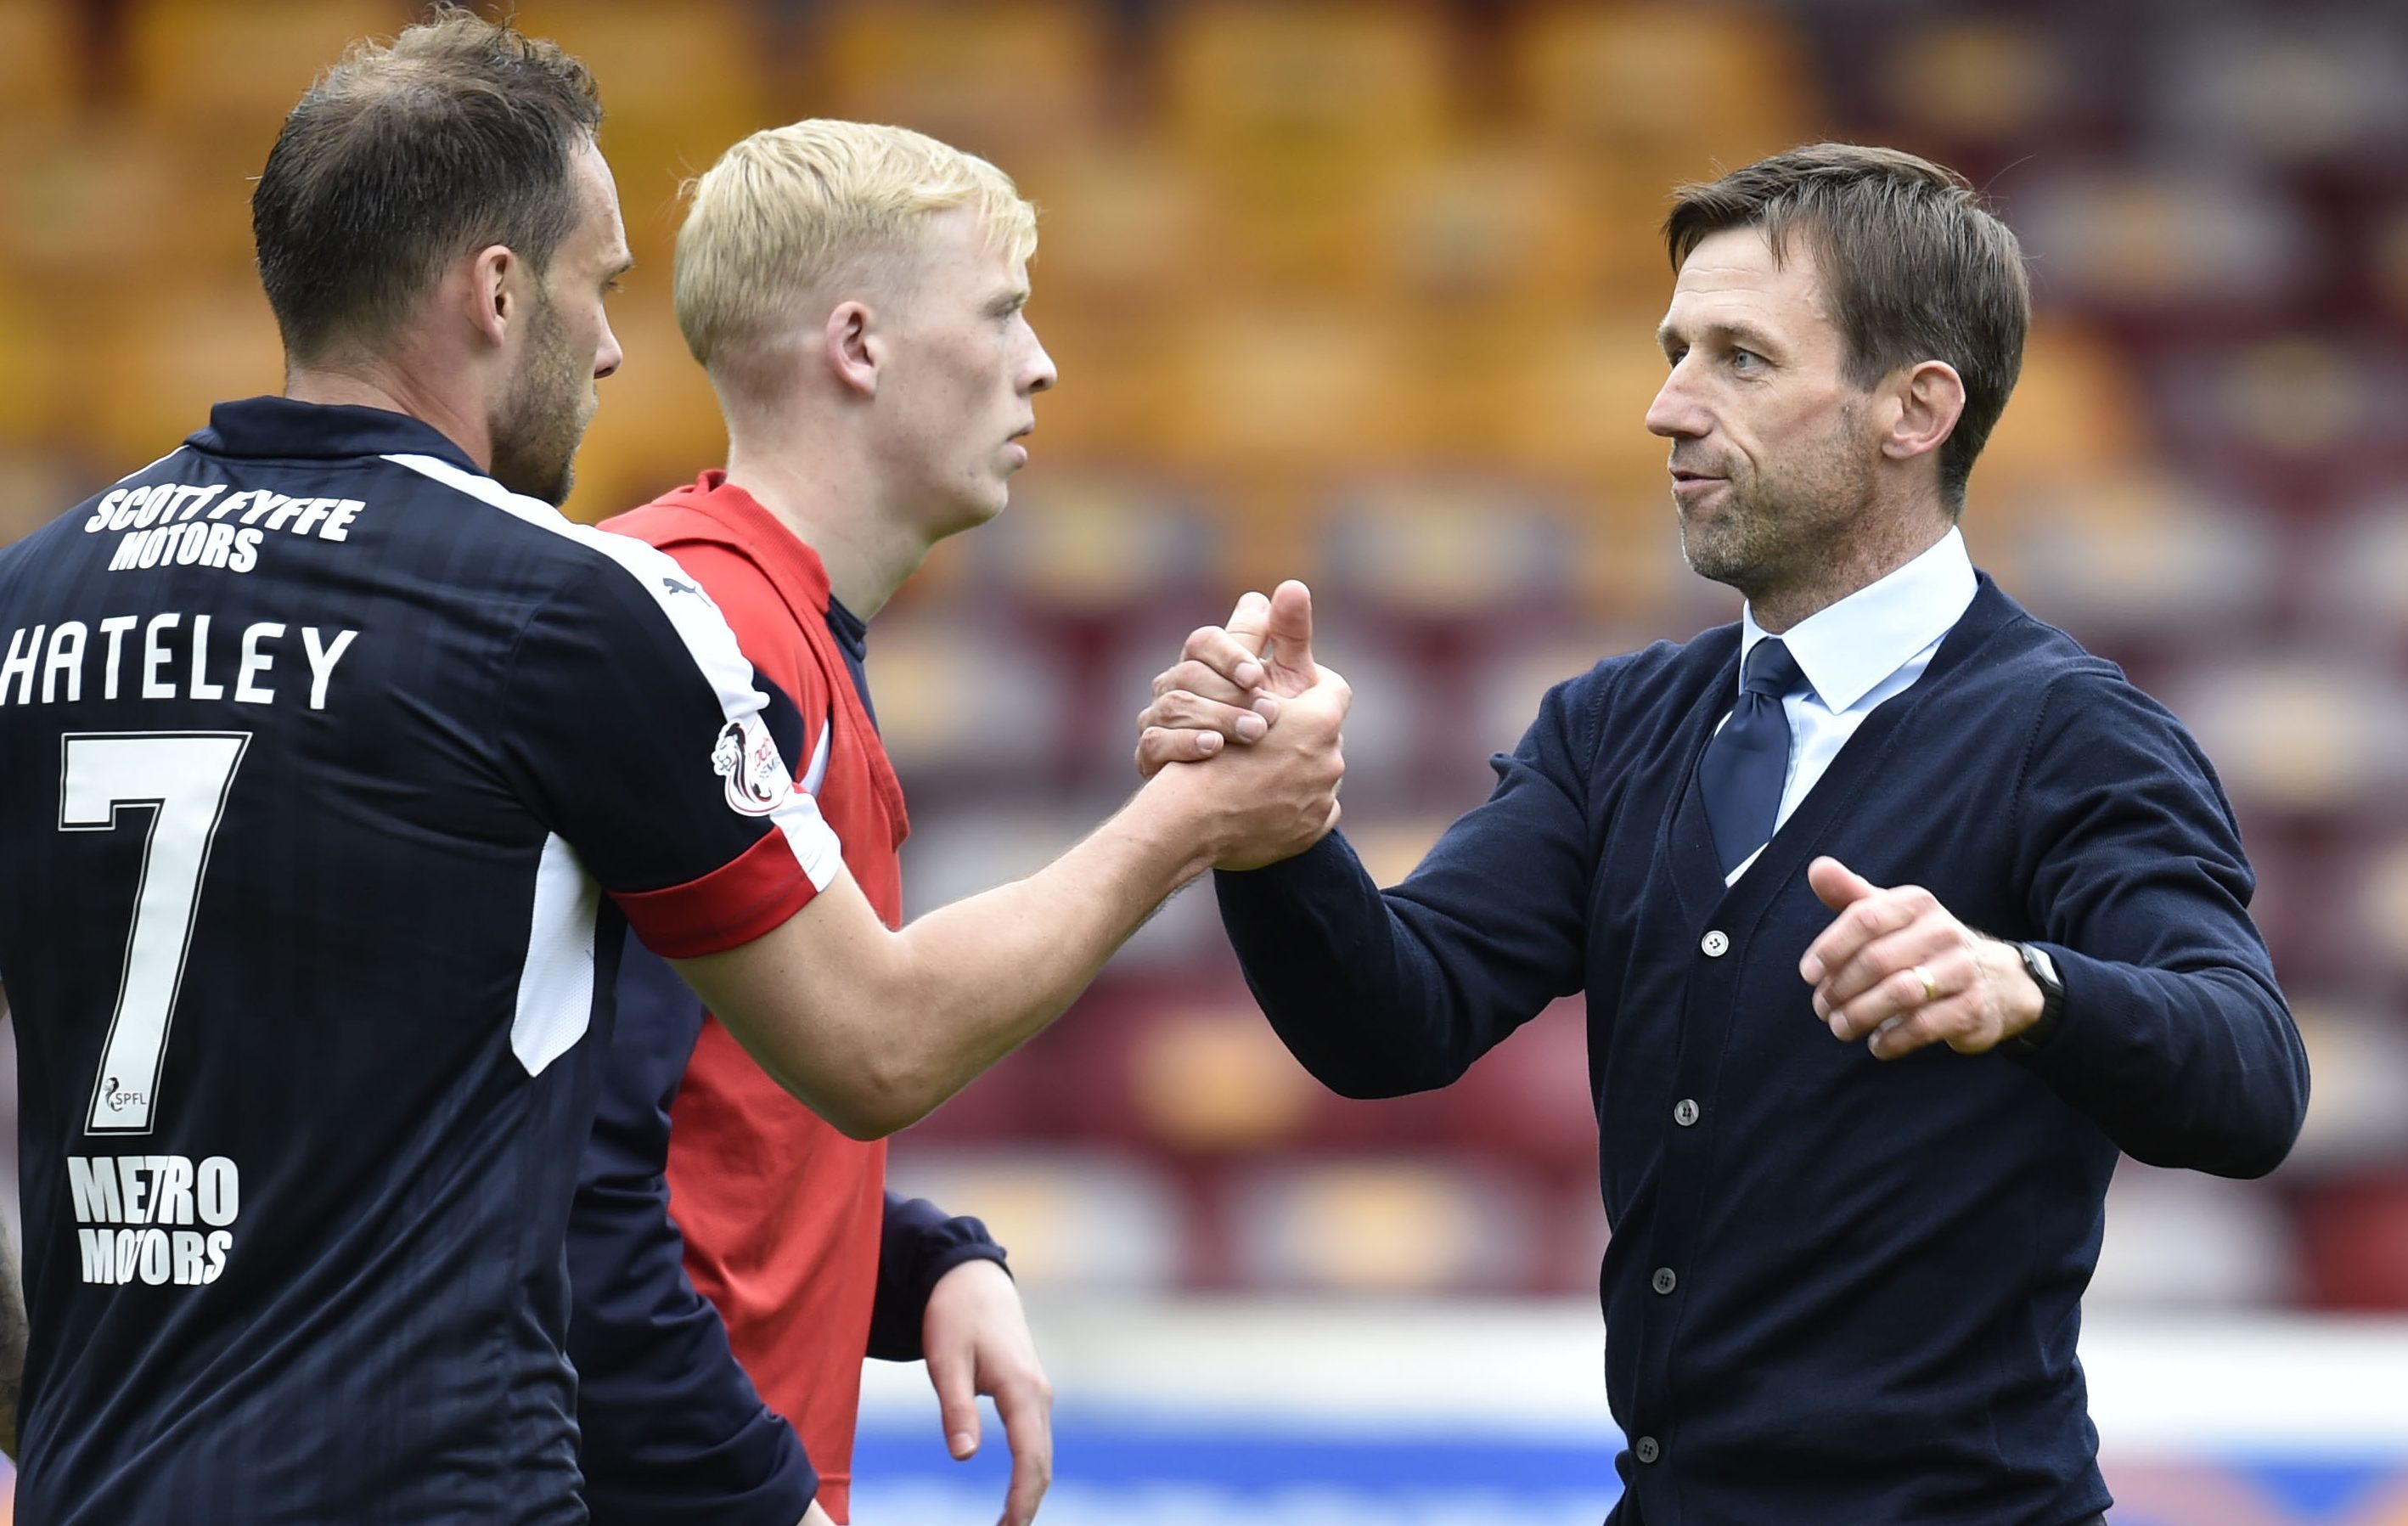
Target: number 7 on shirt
(182, 778)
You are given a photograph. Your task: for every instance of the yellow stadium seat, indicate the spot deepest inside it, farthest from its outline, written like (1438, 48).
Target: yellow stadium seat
(161, 352)
(2132, 555)
(1572, 403)
(1305, 389)
(1383, 1225)
(1108, 406)
(989, 78)
(229, 73)
(1215, 1078)
(1523, 225)
(1566, 406)
(1090, 542)
(1630, 574)
(33, 345)
(1077, 1220)
(1676, 87)
(38, 68)
(36, 487)
(1294, 116)
(1122, 228)
(1988, 78)
(1500, 225)
(678, 84)
(1440, 543)
(94, 205)
(1250, 79)
(2077, 412)
(2298, 729)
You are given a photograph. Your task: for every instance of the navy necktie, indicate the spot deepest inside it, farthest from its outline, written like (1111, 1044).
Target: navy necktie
(1746, 763)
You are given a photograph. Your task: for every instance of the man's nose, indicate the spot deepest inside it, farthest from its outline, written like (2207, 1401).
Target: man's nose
(1675, 413)
(607, 359)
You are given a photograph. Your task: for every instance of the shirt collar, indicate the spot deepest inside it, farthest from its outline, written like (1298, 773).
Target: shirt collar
(1846, 650)
(281, 429)
(767, 540)
(850, 628)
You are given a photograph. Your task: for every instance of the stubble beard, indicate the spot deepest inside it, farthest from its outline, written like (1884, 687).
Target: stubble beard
(1771, 534)
(543, 416)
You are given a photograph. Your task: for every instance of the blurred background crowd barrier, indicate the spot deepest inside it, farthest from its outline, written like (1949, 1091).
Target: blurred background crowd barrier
(1365, 294)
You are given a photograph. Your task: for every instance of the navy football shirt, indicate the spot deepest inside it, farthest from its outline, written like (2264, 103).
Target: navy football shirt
(331, 774)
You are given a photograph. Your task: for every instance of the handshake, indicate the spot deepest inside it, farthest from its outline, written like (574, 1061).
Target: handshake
(1244, 733)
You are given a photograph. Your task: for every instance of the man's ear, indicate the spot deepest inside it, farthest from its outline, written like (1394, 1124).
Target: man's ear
(1930, 399)
(492, 298)
(853, 348)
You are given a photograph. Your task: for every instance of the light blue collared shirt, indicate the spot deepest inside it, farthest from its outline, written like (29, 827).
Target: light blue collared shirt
(1868, 648)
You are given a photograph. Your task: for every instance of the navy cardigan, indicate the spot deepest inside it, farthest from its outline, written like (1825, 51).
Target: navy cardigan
(1838, 1289)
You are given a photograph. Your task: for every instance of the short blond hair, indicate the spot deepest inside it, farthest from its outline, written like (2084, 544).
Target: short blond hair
(790, 211)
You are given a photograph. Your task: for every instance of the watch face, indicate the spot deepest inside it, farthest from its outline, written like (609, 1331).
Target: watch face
(2043, 969)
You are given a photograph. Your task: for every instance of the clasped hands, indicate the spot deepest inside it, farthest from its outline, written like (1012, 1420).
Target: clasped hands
(1254, 682)
(1894, 967)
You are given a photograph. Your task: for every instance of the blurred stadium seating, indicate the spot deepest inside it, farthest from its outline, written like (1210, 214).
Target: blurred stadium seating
(1363, 293)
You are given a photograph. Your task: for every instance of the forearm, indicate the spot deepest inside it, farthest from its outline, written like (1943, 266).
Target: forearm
(974, 980)
(1318, 947)
(1378, 993)
(872, 1028)
(1347, 983)
(2200, 1069)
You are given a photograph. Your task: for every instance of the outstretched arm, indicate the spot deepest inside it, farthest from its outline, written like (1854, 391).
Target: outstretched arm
(873, 1026)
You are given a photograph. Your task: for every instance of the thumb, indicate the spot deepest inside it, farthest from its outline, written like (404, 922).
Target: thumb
(956, 1402)
(1250, 622)
(1289, 628)
(1836, 884)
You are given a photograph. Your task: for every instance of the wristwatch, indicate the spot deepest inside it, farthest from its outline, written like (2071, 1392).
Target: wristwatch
(2043, 971)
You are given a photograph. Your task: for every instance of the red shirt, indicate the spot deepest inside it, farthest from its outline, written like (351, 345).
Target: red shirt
(781, 1213)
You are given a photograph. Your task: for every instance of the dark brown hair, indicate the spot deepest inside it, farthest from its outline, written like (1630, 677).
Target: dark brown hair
(403, 156)
(1915, 267)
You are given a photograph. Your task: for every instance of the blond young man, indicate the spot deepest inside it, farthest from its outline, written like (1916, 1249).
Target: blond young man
(856, 293)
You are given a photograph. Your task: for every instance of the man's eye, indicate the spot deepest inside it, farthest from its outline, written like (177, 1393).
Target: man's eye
(1745, 359)
(1675, 357)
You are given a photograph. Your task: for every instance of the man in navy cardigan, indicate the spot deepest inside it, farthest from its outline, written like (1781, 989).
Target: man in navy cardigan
(1898, 915)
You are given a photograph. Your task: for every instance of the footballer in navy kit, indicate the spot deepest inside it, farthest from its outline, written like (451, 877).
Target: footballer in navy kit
(332, 768)
(335, 764)
(320, 850)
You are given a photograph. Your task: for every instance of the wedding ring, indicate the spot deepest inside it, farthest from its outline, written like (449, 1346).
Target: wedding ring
(1930, 987)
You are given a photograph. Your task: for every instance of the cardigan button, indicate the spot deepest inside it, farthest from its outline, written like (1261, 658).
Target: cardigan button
(1684, 1112)
(1664, 1280)
(1646, 1451)
(1716, 943)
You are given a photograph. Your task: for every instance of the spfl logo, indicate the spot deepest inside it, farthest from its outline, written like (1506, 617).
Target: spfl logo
(746, 756)
(119, 1099)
